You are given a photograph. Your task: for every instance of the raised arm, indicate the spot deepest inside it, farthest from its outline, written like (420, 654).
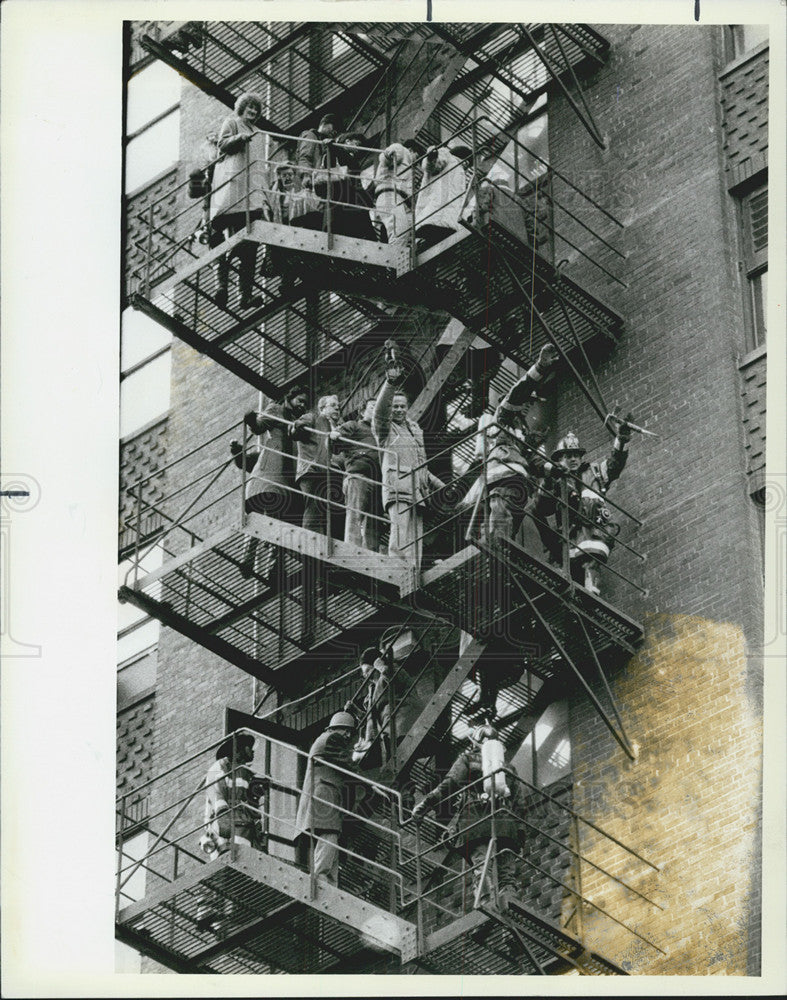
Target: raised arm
(519, 394)
(381, 419)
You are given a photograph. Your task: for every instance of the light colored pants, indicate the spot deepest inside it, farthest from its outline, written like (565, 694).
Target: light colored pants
(326, 857)
(360, 527)
(406, 527)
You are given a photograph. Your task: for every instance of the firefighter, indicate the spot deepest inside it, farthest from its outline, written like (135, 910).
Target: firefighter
(512, 460)
(322, 815)
(472, 824)
(591, 530)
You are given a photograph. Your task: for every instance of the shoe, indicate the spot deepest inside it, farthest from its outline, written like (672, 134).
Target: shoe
(250, 301)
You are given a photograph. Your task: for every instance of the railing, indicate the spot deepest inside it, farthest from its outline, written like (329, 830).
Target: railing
(504, 795)
(584, 532)
(338, 201)
(386, 856)
(253, 192)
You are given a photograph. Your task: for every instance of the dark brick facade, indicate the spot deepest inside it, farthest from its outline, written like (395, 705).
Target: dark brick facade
(744, 102)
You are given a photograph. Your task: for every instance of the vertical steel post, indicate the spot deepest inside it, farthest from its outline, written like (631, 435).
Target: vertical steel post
(578, 879)
(245, 441)
(138, 532)
(412, 216)
(247, 192)
(120, 856)
(564, 527)
(419, 904)
(149, 252)
(312, 874)
(494, 869)
(233, 797)
(328, 219)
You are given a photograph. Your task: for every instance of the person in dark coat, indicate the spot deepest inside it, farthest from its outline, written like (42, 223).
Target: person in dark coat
(320, 815)
(472, 820)
(310, 157)
(351, 213)
(591, 530)
(270, 488)
(363, 517)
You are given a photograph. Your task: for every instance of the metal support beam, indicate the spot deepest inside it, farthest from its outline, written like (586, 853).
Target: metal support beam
(204, 346)
(436, 705)
(222, 648)
(464, 337)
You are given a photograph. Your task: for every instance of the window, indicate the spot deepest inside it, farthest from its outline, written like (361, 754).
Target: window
(754, 218)
(746, 37)
(142, 338)
(144, 394)
(152, 151)
(152, 124)
(545, 756)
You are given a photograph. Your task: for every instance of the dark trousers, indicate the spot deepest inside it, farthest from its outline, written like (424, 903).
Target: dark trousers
(314, 486)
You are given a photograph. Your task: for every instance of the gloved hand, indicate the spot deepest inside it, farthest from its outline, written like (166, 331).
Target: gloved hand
(394, 374)
(419, 810)
(250, 420)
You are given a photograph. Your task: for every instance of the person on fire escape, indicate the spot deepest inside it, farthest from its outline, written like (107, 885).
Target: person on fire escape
(470, 783)
(591, 530)
(323, 795)
(512, 461)
(440, 197)
(238, 189)
(231, 816)
(406, 479)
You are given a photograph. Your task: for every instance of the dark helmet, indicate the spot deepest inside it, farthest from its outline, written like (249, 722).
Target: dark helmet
(569, 443)
(341, 720)
(241, 739)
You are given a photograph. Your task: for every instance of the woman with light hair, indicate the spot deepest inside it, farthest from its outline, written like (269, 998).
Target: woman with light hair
(238, 186)
(393, 180)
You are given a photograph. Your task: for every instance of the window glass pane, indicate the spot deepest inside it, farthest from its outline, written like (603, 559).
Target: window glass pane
(151, 91)
(748, 36)
(152, 152)
(138, 639)
(759, 294)
(140, 337)
(145, 394)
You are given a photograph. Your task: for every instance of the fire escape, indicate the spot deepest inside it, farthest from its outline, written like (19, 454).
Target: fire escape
(282, 602)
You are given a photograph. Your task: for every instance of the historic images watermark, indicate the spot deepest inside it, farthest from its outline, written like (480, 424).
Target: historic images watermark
(19, 494)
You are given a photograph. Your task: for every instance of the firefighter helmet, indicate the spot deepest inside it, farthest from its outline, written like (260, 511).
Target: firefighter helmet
(341, 720)
(569, 443)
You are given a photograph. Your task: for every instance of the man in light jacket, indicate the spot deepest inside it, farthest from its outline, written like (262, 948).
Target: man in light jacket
(406, 479)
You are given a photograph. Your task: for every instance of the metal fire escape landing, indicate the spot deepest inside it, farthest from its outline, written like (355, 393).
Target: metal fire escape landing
(306, 69)
(261, 909)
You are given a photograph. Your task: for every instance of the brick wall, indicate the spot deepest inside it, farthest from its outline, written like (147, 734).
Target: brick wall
(140, 457)
(163, 197)
(753, 382)
(691, 698)
(744, 102)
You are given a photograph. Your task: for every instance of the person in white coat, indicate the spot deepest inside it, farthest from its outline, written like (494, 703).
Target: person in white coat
(441, 197)
(392, 190)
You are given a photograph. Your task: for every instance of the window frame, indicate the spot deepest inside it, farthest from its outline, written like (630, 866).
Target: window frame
(754, 264)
